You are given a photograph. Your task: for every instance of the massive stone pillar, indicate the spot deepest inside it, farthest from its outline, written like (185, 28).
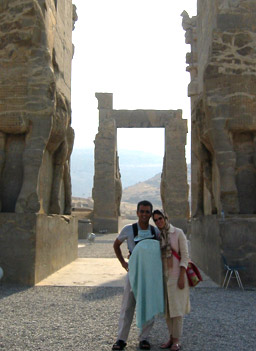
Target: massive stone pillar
(174, 187)
(107, 186)
(36, 138)
(223, 107)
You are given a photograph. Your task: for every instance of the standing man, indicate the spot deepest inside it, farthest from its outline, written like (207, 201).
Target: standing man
(144, 212)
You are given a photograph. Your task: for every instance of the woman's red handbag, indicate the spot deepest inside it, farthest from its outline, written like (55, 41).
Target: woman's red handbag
(193, 274)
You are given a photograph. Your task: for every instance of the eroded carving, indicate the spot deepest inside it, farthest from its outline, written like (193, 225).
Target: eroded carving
(35, 113)
(223, 110)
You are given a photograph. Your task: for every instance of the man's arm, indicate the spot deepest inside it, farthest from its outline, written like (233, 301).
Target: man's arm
(119, 255)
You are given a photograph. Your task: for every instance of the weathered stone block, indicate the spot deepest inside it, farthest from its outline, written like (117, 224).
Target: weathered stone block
(33, 246)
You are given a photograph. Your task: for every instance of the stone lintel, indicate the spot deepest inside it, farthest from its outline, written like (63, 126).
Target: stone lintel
(37, 246)
(145, 118)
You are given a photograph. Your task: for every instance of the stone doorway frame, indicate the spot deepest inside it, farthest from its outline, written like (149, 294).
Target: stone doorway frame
(107, 189)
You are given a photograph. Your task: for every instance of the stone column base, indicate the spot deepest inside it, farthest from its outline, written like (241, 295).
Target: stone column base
(33, 246)
(106, 225)
(234, 237)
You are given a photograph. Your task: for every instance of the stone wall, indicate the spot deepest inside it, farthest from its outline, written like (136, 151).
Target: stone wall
(223, 106)
(33, 246)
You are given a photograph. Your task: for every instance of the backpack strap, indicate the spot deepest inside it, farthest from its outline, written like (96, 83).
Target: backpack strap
(135, 229)
(153, 231)
(135, 232)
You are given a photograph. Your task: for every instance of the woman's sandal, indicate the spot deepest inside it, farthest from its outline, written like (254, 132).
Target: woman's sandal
(175, 347)
(119, 345)
(167, 345)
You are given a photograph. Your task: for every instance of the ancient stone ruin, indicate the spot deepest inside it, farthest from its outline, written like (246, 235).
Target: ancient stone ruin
(37, 235)
(223, 109)
(107, 190)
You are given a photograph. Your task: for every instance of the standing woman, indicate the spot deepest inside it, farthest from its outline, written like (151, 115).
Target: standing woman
(176, 286)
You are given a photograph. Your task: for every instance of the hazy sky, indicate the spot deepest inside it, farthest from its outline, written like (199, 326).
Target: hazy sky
(136, 50)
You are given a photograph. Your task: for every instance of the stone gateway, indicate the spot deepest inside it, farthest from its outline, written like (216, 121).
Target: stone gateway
(107, 190)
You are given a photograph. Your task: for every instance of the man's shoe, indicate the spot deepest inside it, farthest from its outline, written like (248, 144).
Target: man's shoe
(119, 345)
(144, 345)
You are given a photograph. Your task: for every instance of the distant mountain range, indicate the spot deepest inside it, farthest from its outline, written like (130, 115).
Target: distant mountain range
(147, 190)
(140, 175)
(135, 167)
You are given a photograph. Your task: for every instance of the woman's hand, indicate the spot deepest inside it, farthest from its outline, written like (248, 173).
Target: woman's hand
(181, 280)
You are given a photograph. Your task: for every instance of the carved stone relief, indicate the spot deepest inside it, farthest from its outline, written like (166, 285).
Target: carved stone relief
(35, 112)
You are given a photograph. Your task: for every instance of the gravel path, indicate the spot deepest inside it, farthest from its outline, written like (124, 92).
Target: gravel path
(83, 318)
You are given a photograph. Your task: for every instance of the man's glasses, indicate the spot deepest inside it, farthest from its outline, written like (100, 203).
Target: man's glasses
(158, 219)
(144, 211)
